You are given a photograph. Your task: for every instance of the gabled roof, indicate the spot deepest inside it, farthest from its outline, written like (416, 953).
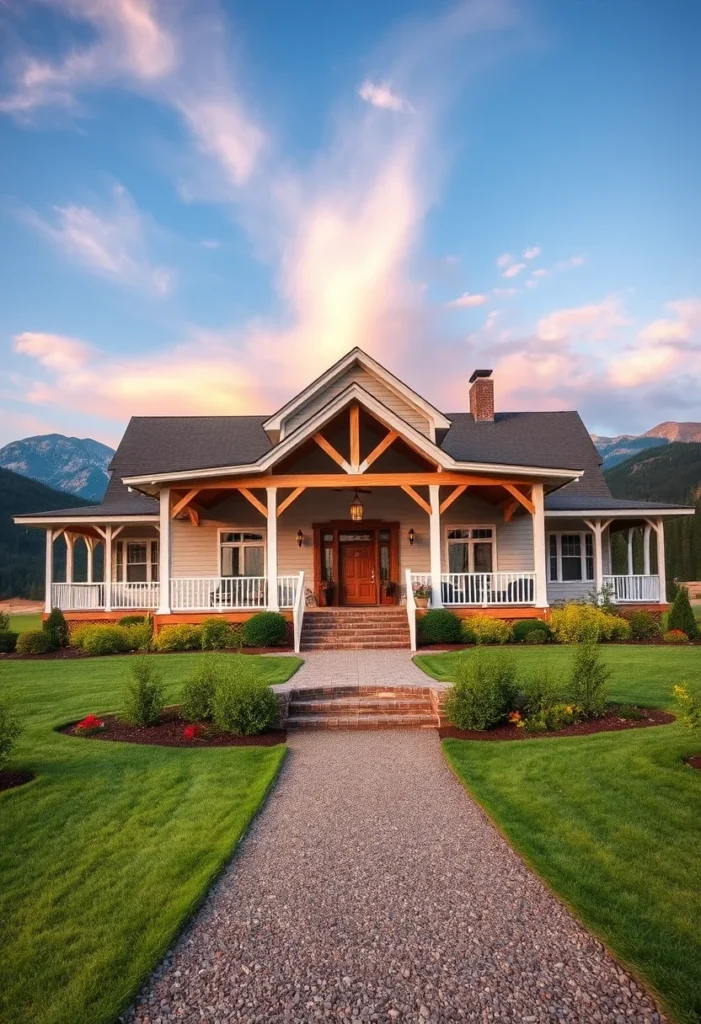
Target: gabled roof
(356, 355)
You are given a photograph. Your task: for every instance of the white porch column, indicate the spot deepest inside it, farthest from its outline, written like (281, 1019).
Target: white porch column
(70, 544)
(646, 548)
(108, 567)
(271, 544)
(597, 528)
(661, 569)
(49, 570)
(435, 546)
(90, 549)
(164, 552)
(629, 534)
(539, 552)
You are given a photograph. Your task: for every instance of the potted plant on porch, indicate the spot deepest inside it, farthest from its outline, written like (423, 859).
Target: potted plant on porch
(327, 588)
(389, 588)
(422, 593)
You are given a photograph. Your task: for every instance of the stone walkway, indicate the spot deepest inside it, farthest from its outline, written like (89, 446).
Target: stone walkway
(358, 668)
(371, 888)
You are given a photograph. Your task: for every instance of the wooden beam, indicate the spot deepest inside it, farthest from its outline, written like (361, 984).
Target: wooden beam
(355, 436)
(289, 499)
(453, 496)
(254, 501)
(519, 496)
(352, 480)
(509, 510)
(384, 444)
(332, 452)
(193, 515)
(181, 505)
(421, 502)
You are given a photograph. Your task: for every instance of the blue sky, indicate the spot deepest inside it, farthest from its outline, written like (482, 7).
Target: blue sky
(203, 205)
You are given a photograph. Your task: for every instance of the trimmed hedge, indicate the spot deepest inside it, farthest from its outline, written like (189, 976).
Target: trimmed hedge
(440, 626)
(8, 641)
(523, 627)
(99, 641)
(35, 641)
(243, 705)
(216, 634)
(184, 637)
(265, 629)
(483, 629)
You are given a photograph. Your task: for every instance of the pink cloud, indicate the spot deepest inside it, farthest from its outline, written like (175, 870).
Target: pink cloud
(466, 300)
(513, 270)
(595, 322)
(383, 96)
(531, 252)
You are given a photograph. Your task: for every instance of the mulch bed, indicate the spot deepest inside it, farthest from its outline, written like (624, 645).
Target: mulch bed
(607, 723)
(11, 778)
(71, 652)
(694, 762)
(169, 733)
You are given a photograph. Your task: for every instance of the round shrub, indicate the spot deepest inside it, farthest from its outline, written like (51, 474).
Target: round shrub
(440, 626)
(265, 629)
(620, 629)
(524, 627)
(644, 626)
(35, 641)
(137, 635)
(484, 692)
(216, 634)
(575, 623)
(487, 630)
(243, 705)
(198, 692)
(536, 636)
(57, 628)
(184, 637)
(101, 640)
(675, 636)
(143, 699)
(8, 641)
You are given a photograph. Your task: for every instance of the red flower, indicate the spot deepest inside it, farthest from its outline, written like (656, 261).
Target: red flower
(89, 723)
(194, 731)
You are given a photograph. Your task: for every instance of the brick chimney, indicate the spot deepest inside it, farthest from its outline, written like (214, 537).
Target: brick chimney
(482, 396)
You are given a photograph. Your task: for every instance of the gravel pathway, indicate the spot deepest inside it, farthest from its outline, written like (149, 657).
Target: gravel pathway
(371, 888)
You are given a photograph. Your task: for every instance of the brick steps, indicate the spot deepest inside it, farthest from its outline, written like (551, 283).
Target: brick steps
(348, 721)
(355, 629)
(366, 707)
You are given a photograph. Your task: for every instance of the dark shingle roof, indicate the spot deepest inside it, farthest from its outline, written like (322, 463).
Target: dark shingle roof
(565, 501)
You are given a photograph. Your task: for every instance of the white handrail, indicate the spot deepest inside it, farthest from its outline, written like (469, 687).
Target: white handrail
(484, 589)
(135, 595)
(286, 590)
(217, 593)
(298, 611)
(633, 589)
(76, 597)
(411, 608)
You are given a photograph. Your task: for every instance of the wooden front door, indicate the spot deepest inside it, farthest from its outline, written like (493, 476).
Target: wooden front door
(357, 572)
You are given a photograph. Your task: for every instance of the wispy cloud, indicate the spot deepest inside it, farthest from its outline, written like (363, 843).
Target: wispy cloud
(466, 300)
(383, 96)
(513, 270)
(504, 260)
(596, 321)
(532, 252)
(110, 241)
(571, 261)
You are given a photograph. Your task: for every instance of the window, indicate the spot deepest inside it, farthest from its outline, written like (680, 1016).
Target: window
(383, 540)
(242, 554)
(327, 557)
(471, 549)
(570, 557)
(136, 561)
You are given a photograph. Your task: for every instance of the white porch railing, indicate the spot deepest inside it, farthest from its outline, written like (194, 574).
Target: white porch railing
(481, 588)
(78, 597)
(299, 602)
(641, 589)
(286, 590)
(411, 603)
(134, 595)
(217, 593)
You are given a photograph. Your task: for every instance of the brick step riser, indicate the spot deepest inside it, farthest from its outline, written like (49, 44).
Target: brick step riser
(354, 634)
(318, 708)
(402, 692)
(355, 618)
(355, 647)
(342, 722)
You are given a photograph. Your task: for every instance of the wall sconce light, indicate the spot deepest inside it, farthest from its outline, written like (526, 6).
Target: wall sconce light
(300, 538)
(412, 536)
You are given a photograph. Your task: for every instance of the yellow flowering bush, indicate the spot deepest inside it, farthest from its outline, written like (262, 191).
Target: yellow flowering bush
(688, 704)
(574, 623)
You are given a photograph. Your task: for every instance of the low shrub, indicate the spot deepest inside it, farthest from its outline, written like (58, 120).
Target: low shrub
(9, 731)
(553, 718)
(215, 634)
(243, 704)
(644, 626)
(143, 699)
(620, 629)
(487, 630)
(588, 680)
(630, 713)
(539, 692)
(137, 635)
(35, 641)
(576, 623)
(536, 636)
(681, 615)
(524, 627)
(184, 637)
(198, 691)
(4, 622)
(133, 620)
(57, 627)
(98, 641)
(675, 636)
(265, 629)
(689, 705)
(484, 691)
(440, 626)
(8, 641)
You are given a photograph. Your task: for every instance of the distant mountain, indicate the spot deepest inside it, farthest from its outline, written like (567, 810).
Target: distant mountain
(615, 450)
(22, 549)
(73, 464)
(671, 473)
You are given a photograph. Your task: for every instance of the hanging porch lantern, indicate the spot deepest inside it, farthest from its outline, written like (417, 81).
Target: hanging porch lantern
(356, 509)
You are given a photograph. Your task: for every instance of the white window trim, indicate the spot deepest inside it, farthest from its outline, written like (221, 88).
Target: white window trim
(558, 535)
(470, 542)
(243, 529)
(122, 543)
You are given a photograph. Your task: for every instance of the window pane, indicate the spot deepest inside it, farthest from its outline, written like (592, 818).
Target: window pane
(327, 564)
(458, 558)
(230, 561)
(483, 557)
(458, 534)
(481, 533)
(553, 556)
(136, 573)
(252, 536)
(384, 562)
(136, 554)
(253, 561)
(571, 545)
(230, 538)
(571, 568)
(589, 554)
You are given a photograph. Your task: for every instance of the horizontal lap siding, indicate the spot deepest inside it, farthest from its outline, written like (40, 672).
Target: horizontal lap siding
(514, 539)
(195, 549)
(373, 386)
(576, 590)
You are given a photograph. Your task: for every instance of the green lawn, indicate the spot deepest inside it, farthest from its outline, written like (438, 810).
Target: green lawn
(612, 822)
(105, 854)
(20, 622)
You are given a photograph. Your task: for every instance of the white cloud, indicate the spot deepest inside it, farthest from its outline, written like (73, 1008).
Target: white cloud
(505, 291)
(382, 95)
(466, 300)
(110, 242)
(596, 322)
(210, 243)
(530, 283)
(667, 346)
(540, 272)
(513, 270)
(504, 260)
(532, 252)
(571, 261)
